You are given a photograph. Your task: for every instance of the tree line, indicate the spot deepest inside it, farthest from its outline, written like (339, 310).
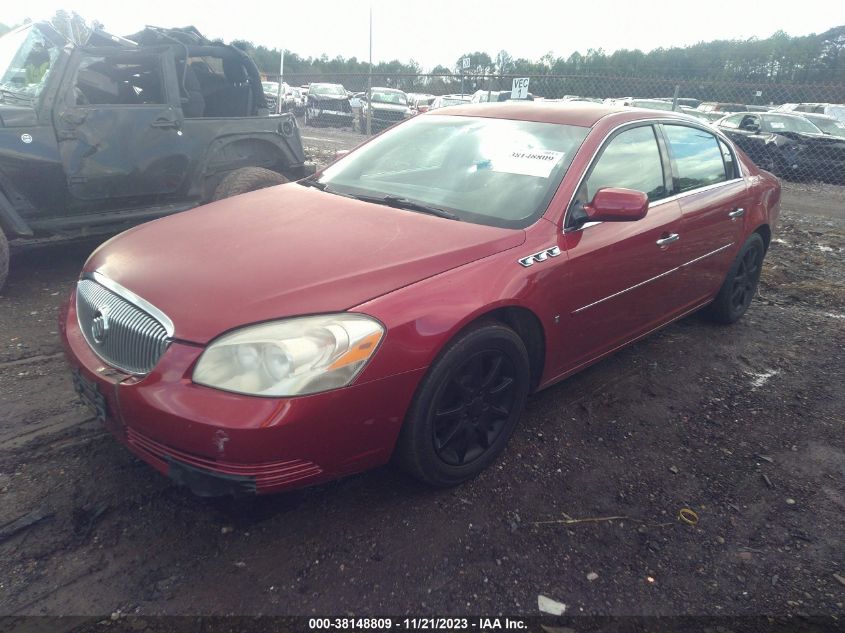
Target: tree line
(779, 59)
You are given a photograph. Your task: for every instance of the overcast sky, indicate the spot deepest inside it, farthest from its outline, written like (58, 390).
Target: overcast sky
(439, 31)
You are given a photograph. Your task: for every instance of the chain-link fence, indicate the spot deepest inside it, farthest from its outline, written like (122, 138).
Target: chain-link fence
(797, 131)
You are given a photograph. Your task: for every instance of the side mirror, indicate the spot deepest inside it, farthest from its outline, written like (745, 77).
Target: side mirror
(613, 204)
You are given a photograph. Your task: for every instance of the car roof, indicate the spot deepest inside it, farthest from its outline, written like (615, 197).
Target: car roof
(578, 113)
(813, 115)
(791, 115)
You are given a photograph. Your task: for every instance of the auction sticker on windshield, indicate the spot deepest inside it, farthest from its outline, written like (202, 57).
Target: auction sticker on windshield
(537, 163)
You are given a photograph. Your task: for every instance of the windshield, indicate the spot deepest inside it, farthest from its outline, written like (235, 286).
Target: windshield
(498, 172)
(270, 86)
(779, 123)
(26, 57)
(447, 101)
(836, 111)
(829, 126)
(328, 90)
(389, 96)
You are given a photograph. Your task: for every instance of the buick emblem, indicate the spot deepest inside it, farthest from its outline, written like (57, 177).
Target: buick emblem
(100, 326)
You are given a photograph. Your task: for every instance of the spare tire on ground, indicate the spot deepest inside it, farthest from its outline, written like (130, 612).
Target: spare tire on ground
(247, 179)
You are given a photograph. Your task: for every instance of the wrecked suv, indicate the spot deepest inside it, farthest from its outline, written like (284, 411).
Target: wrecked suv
(99, 137)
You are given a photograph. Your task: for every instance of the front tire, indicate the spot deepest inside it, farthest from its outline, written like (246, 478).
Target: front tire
(247, 179)
(466, 407)
(4, 259)
(740, 285)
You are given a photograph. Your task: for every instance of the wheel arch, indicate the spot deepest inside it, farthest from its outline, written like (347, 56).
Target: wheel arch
(228, 154)
(527, 326)
(764, 231)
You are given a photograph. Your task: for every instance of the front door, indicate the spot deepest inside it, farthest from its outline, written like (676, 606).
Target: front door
(620, 279)
(119, 134)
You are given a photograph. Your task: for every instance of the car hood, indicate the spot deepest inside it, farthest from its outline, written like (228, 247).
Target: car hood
(812, 139)
(328, 97)
(284, 251)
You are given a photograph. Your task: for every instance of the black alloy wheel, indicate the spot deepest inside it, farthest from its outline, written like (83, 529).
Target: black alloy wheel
(741, 282)
(466, 407)
(745, 281)
(473, 406)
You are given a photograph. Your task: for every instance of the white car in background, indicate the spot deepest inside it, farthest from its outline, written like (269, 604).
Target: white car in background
(835, 110)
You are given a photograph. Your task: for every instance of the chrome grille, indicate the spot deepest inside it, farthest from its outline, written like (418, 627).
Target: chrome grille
(119, 330)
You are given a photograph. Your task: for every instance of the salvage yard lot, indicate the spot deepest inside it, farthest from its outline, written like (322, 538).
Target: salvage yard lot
(743, 425)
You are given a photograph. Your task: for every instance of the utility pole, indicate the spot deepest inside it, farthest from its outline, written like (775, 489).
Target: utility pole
(370, 80)
(281, 79)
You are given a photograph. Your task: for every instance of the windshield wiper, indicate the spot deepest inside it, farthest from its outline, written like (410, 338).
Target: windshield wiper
(391, 201)
(308, 182)
(403, 203)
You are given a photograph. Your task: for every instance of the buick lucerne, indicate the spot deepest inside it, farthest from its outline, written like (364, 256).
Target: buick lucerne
(404, 302)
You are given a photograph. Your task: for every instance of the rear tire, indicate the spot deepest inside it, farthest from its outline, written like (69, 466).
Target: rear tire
(4, 259)
(247, 179)
(740, 285)
(466, 407)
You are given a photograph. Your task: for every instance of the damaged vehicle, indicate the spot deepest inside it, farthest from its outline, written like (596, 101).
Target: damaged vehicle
(788, 145)
(403, 303)
(96, 138)
(328, 104)
(385, 106)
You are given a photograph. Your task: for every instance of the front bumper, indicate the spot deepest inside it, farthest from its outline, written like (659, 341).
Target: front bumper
(333, 117)
(217, 442)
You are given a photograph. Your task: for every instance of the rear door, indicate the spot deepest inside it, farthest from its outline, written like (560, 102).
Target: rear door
(713, 197)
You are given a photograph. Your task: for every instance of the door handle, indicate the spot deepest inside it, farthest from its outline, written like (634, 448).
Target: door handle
(74, 118)
(736, 213)
(664, 242)
(165, 123)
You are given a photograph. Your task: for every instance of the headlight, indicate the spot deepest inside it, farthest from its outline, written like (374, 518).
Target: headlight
(292, 357)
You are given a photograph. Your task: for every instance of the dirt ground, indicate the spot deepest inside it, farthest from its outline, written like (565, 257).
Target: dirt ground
(742, 424)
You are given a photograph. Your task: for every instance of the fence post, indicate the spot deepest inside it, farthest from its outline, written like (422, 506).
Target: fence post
(370, 80)
(675, 98)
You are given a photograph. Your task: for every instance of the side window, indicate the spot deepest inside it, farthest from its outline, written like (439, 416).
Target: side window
(218, 87)
(697, 156)
(121, 79)
(749, 121)
(631, 160)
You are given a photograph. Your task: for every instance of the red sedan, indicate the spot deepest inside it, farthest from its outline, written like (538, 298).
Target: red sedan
(405, 301)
